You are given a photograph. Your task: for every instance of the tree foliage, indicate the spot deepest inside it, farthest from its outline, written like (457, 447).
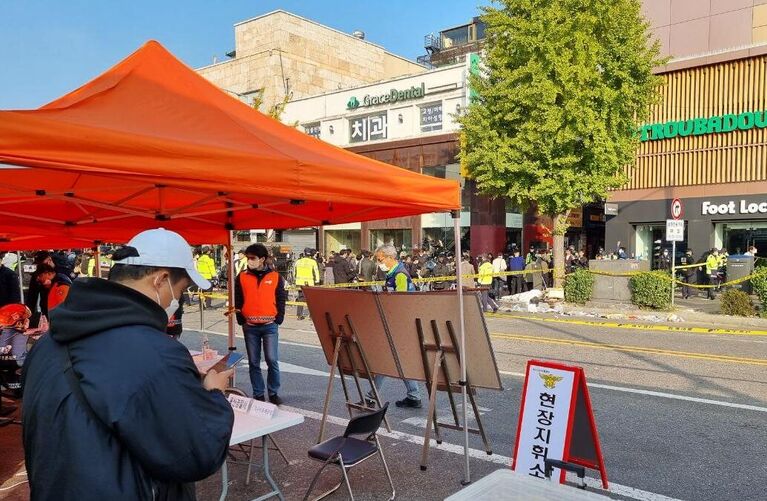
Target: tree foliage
(563, 88)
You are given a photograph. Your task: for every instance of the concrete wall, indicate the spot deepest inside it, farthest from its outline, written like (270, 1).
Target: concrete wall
(280, 52)
(690, 27)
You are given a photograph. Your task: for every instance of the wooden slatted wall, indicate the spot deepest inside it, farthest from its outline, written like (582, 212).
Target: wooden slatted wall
(733, 157)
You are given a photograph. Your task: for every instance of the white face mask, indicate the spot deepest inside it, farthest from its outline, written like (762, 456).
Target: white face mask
(383, 267)
(173, 306)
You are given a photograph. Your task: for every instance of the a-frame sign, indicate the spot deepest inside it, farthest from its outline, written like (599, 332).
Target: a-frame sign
(556, 421)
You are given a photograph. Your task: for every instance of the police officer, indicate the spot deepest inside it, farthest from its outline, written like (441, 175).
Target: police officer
(712, 272)
(307, 273)
(689, 274)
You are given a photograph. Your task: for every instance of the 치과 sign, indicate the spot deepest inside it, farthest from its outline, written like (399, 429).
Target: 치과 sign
(556, 422)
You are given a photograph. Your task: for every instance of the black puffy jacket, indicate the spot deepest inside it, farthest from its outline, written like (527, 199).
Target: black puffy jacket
(159, 429)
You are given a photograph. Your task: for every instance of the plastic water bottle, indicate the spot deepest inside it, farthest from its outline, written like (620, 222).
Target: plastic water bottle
(205, 347)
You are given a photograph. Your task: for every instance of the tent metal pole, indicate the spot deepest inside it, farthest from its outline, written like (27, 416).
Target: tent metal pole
(20, 271)
(230, 288)
(462, 326)
(97, 257)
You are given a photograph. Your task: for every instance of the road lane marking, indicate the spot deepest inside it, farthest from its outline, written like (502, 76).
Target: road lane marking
(633, 326)
(631, 349)
(624, 389)
(593, 483)
(672, 396)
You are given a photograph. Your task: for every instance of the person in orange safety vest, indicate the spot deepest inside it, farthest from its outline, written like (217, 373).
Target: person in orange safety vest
(259, 301)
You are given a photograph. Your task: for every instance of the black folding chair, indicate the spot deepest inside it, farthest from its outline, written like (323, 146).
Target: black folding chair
(347, 452)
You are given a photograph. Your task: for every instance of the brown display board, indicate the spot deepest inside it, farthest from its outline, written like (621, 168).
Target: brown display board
(352, 311)
(400, 311)
(385, 325)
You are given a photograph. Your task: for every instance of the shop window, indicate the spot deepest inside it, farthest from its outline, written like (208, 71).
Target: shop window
(335, 240)
(434, 171)
(738, 237)
(313, 129)
(401, 239)
(651, 242)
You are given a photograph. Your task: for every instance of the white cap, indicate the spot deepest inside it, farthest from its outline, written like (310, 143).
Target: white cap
(164, 249)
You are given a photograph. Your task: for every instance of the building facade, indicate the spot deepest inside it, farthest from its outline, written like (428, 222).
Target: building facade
(705, 142)
(706, 145)
(409, 122)
(281, 55)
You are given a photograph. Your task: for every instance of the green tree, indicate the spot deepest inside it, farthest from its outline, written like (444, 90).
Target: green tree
(274, 111)
(555, 109)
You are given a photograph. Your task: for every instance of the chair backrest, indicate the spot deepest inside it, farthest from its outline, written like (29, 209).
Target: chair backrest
(365, 424)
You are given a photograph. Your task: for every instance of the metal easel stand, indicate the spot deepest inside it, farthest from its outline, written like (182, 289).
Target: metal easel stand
(346, 343)
(433, 371)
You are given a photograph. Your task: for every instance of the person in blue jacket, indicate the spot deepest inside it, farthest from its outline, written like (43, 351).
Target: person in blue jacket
(113, 408)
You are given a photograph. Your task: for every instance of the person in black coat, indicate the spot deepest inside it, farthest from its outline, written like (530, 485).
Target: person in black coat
(114, 408)
(10, 290)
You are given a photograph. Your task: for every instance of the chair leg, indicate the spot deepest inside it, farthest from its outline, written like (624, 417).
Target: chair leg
(314, 481)
(346, 477)
(386, 469)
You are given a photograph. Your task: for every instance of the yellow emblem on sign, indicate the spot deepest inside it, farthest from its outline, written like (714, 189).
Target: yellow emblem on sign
(550, 380)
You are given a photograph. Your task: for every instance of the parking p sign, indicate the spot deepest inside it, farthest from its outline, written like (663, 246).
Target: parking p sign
(674, 230)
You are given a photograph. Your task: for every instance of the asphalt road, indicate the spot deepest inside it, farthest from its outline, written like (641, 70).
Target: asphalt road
(680, 415)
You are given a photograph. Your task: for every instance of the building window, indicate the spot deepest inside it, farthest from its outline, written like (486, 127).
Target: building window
(455, 37)
(431, 117)
(313, 129)
(368, 128)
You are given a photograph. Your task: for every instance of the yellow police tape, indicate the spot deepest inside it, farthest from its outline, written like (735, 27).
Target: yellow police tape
(450, 278)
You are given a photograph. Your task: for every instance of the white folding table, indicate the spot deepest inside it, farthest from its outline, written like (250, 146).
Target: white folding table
(511, 486)
(247, 427)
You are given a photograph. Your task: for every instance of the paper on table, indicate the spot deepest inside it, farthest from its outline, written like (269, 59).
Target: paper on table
(252, 407)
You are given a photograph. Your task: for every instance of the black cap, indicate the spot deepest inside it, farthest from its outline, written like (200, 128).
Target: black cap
(308, 251)
(41, 256)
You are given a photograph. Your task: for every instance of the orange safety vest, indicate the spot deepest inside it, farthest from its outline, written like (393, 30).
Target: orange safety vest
(260, 298)
(57, 295)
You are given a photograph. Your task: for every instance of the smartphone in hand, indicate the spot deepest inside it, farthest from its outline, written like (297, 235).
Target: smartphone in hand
(227, 362)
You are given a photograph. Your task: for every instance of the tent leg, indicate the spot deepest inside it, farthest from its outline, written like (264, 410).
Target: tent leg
(230, 289)
(20, 271)
(458, 253)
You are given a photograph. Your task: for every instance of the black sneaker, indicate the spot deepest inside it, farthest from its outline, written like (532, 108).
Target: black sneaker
(275, 399)
(259, 397)
(413, 403)
(367, 402)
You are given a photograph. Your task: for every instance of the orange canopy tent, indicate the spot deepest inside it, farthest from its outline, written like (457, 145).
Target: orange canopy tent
(152, 143)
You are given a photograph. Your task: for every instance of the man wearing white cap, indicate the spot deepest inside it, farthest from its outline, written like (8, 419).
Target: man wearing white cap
(114, 408)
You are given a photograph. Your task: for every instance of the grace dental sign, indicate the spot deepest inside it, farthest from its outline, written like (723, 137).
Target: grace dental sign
(700, 126)
(393, 96)
(743, 207)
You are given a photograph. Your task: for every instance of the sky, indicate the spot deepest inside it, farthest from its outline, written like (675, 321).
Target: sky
(50, 47)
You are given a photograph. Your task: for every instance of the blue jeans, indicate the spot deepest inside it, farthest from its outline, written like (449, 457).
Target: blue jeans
(411, 386)
(255, 335)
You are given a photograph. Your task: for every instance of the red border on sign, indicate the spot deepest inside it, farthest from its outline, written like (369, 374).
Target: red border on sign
(519, 421)
(600, 466)
(681, 209)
